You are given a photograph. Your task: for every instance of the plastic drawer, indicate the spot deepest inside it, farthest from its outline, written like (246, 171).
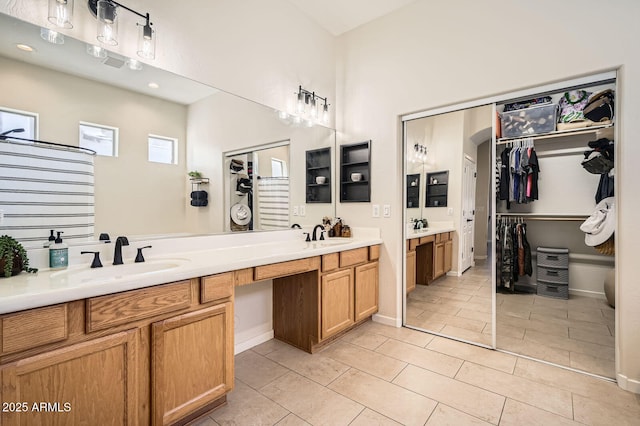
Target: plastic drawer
(552, 275)
(559, 291)
(553, 257)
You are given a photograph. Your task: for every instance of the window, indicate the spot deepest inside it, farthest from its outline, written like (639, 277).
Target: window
(102, 139)
(163, 150)
(24, 124)
(278, 168)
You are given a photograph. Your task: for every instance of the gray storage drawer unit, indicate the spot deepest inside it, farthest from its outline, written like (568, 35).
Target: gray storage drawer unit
(552, 273)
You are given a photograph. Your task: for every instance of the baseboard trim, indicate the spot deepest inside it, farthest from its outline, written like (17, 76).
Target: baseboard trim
(254, 341)
(587, 293)
(628, 384)
(392, 321)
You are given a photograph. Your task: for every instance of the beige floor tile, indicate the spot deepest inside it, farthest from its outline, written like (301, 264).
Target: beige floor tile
(444, 294)
(592, 337)
(363, 337)
(521, 299)
(602, 367)
(543, 396)
(592, 316)
(371, 418)
(317, 367)
(555, 328)
(551, 302)
(395, 402)
(480, 299)
(403, 334)
(255, 370)
(582, 325)
(425, 358)
(413, 309)
(368, 361)
(205, 421)
(447, 416)
(548, 312)
(535, 350)
(464, 397)
(576, 302)
(268, 346)
(609, 313)
(421, 293)
(444, 308)
(581, 384)
(456, 321)
(487, 357)
(474, 315)
(311, 402)
(593, 349)
(516, 311)
(506, 330)
(518, 414)
(593, 412)
(468, 335)
(467, 291)
(480, 307)
(292, 420)
(246, 406)
(427, 324)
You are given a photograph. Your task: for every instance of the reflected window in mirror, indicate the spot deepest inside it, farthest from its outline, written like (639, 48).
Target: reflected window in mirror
(163, 150)
(22, 124)
(100, 138)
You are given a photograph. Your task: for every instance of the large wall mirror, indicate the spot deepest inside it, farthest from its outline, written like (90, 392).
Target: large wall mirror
(448, 276)
(160, 126)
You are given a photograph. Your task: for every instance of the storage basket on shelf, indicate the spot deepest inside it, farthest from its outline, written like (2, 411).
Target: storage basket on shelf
(552, 273)
(529, 121)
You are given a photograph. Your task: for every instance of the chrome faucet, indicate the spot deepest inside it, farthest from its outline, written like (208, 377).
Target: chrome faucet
(117, 255)
(315, 238)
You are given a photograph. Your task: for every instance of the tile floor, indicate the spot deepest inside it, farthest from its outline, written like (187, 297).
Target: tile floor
(577, 333)
(380, 375)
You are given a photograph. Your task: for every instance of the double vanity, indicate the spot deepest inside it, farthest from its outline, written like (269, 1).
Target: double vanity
(155, 344)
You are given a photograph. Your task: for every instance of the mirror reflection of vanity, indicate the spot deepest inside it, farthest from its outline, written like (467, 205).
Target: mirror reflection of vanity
(63, 86)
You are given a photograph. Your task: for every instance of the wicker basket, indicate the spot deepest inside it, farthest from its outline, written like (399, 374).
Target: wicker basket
(608, 247)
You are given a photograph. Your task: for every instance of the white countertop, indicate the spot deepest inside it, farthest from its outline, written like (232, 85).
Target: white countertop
(182, 259)
(435, 228)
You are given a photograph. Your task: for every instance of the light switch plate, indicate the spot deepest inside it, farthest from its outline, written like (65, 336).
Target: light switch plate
(450, 211)
(295, 210)
(302, 210)
(386, 210)
(375, 211)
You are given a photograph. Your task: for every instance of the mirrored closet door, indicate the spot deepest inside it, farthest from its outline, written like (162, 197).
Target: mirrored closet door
(447, 199)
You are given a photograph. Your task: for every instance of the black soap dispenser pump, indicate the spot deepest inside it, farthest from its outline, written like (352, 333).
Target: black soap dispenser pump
(52, 240)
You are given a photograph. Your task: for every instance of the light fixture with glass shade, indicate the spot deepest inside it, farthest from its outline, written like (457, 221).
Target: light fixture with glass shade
(51, 36)
(96, 51)
(61, 13)
(106, 12)
(308, 107)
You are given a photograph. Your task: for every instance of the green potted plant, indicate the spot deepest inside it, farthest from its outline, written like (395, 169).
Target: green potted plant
(195, 174)
(13, 257)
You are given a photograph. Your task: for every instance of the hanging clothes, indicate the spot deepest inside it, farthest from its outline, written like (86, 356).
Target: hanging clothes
(519, 170)
(513, 254)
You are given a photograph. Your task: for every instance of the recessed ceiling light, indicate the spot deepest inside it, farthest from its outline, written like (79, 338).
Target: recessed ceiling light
(25, 47)
(154, 85)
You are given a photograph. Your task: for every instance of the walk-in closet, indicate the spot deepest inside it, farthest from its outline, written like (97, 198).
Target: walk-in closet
(547, 287)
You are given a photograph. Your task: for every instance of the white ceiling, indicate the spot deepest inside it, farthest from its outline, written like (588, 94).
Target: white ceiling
(340, 16)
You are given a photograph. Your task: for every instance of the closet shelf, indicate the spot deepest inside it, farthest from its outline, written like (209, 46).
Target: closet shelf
(556, 134)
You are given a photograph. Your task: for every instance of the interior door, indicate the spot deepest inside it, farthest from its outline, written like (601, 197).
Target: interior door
(468, 212)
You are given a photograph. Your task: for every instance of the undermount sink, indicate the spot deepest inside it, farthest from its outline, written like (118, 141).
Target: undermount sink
(116, 272)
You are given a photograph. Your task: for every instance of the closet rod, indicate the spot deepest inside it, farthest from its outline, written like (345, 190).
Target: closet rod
(533, 216)
(555, 134)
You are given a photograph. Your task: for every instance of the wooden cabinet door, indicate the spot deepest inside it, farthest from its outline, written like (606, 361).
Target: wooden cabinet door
(438, 260)
(448, 253)
(90, 383)
(336, 294)
(191, 362)
(411, 271)
(366, 290)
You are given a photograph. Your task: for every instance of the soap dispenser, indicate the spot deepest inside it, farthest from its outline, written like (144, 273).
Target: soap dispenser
(52, 240)
(58, 254)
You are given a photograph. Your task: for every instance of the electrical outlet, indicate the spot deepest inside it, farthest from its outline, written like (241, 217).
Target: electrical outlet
(450, 211)
(302, 210)
(375, 211)
(386, 210)
(295, 210)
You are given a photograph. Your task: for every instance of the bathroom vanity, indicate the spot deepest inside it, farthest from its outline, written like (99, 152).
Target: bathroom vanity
(429, 256)
(163, 353)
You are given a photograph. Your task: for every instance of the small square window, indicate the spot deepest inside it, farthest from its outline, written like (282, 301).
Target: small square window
(102, 139)
(163, 150)
(21, 124)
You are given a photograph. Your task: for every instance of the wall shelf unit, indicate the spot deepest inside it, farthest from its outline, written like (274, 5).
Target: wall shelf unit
(437, 188)
(413, 191)
(318, 164)
(355, 158)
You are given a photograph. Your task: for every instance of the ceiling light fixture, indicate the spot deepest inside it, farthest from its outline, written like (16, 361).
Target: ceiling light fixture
(61, 13)
(106, 11)
(308, 108)
(419, 153)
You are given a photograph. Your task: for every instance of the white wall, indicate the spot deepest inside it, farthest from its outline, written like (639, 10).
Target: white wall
(466, 51)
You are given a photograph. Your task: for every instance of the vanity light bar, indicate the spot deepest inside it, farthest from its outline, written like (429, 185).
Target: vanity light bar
(306, 98)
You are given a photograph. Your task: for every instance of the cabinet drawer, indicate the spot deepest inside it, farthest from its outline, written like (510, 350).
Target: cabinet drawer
(330, 261)
(353, 257)
(413, 243)
(439, 238)
(123, 308)
(552, 275)
(427, 239)
(216, 287)
(35, 327)
(374, 252)
(283, 269)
